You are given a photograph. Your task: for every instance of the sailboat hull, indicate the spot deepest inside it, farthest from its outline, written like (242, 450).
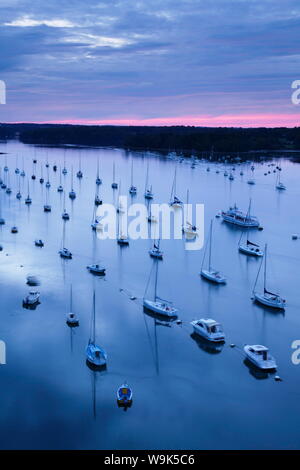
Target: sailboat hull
(161, 308)
(213, 276)
(269, 301)
(250, 251)
(96, 356)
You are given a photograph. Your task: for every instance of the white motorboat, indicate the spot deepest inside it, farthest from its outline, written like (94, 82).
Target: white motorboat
(237, 217)
(32, 298)
(95, 355)
(133, 188)
(96, 269)
(267, 298)
(259, 355)
(211, 274)
(209, 329)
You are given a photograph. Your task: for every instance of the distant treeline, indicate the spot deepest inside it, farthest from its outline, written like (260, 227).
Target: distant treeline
(186, 139)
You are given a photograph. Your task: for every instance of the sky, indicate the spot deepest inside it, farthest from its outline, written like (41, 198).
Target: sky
(150, 62)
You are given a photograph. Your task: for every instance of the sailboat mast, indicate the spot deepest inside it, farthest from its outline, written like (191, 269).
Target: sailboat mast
(265, 273)
(210, 243)
(155, 285)
(71, 298)
(94, 318)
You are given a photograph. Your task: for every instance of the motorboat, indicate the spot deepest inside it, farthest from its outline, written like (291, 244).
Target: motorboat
(39, 243)
(209, 329)
(32, 298)
(124, 396)
(259, 355)
(65, 253)
(237, 217)
(96, 269)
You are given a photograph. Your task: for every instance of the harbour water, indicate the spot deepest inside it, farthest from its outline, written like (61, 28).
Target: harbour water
(187, 395)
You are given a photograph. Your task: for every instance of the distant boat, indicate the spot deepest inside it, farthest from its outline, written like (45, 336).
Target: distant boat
(231, 177)
(65, 215)
(60, 188)
(151, 218)
(132, 189)
(71, 317)
(174, 200)
(156, 252)
(279, 184)
(28, 200)
(32, 298)
(39, 243)
(79, 173)
(124, 396)
(251, 181)
(64, 252)
(72, 194)
(260, 357)
(148, 189)
(14, 229)
(64, 170)
(98, 179)
(211, 274)
(114, 185)
(47, 206)
(209, 329)
(157, 305)
(96, 269)
(41, 178)
(266, 297)
(237, 217)
(95, 355)
(189, 229)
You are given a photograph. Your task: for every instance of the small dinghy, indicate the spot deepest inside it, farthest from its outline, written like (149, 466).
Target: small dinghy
(65, 215)
(32, 280)
(267, 298)
(155, 252)
(14, 229)
(96, 269)
(260, 357)
(39, 243)
(33, 298)
(47, 208)
(209, 329)
(65, 253)
(124, 396)
(251, 181)
(60, 188)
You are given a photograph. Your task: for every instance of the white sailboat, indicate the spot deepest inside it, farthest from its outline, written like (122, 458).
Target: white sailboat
(132, 189)
(60, 188)
(157, 305)
(122, 237)
(266, 297)
(42, 177)
(95, 355)
(98, 179)
(65, 215)
(189, 229)
(28, 200)
(156, 252)
(249, 248)
(47, 206)
(279, 184)
(64, 252)
(72, 194)
(211, 274)
(174, 200)
(79, 173)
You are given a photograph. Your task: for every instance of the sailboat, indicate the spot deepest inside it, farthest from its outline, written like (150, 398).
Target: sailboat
(279, 184)
(41, 178)
(65, 215)
(60, 188)
(98, 200)
(148, 190)
(211, 274)
(120, 209)
(8, 188)
(249, 248)
(79, 173)
(174, 200)
(19, 195)
(114, 185)
(122, 237)
(33, 172)
(266, 297)
(72, 194)
(2, 220)
(189, 229)
(71, 318)
(22, 172)
(132, 189)
(48, 184)
(98, 179)
(17, 171)
(156, 252)
(151, 218)
(64, 170)
(158, 305)
(95, 355)
(28, 200)
(64, 252)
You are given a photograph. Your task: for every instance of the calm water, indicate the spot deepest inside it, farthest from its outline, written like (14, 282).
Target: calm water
(185, 394)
